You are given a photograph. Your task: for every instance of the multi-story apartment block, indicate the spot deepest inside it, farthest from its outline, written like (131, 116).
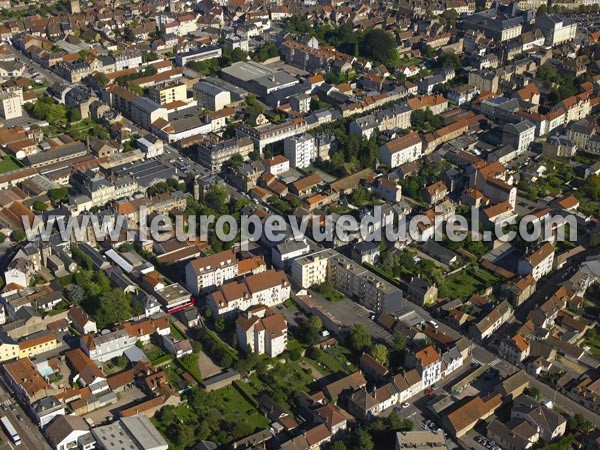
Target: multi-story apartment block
(173, 91)
(269, 288)
(401, 150)
(300, 150)
(211, 271)
(11, 103)
(213, 154)
(261, 330)
(348, 277)
(311, 270)
(141, 110)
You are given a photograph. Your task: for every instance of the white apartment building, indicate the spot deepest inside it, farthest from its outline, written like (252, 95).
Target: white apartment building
(300, 150)
(428, 363)
(539, 263)
(261, 330)
(269, 288)
(401, 150)
(104, 347)
(556, 29)
(210, 271)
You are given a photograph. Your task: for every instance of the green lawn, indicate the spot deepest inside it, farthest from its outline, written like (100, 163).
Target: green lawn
(8, 164)
(334, 361)
(467, 282)
(409, 61)
(233, 402)
(592, 340)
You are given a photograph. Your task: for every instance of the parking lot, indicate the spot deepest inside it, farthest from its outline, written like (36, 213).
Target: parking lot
(350, 313)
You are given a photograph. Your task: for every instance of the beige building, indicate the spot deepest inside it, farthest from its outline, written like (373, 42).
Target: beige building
(11, 103)
(311, 270)
(9, 349)
(168, 93)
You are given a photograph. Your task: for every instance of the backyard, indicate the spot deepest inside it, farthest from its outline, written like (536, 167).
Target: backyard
(467, 282)
(8, 164)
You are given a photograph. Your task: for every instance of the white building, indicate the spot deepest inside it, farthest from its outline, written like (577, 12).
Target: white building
(539, 263)
(68, 432)
(261, 330)
(300, 150)
(283, 254)
(401, 150)
(519, 135)
(276, 165)
(211, 96)
(428, 363)
(150, 145)
(11, 103)
(269, 288)
(311, 270)
(210, 271)
(556, 29)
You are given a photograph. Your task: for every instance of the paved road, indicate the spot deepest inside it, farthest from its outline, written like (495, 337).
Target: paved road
(31, 438)
(48, 74)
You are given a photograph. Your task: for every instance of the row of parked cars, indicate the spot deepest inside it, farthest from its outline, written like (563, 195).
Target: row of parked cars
(487, 443)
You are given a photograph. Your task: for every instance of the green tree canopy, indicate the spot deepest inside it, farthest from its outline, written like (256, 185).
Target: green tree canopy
(360, 340)
(380, 46)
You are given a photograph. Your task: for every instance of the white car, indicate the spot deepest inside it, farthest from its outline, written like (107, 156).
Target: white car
(405, 405)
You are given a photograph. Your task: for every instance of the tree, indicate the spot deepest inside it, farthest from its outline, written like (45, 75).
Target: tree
(451, 16)
(267, 51)
(2, 238)
(58, 195)
(39, 206)
(591, 187)
(18, 236)
(380, 353)
(380, 46)
(533, 392)
(542, 10)
(338, 445)
(74, 294)
(115, 307)
(101, 79)
(450, 59)
(362, 441)
(360, 340)
(310, 329)
(74, 115)
(235, 161)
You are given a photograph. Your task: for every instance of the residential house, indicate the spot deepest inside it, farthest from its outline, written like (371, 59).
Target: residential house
(539, 263)
(491, 322)
(428, 363)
